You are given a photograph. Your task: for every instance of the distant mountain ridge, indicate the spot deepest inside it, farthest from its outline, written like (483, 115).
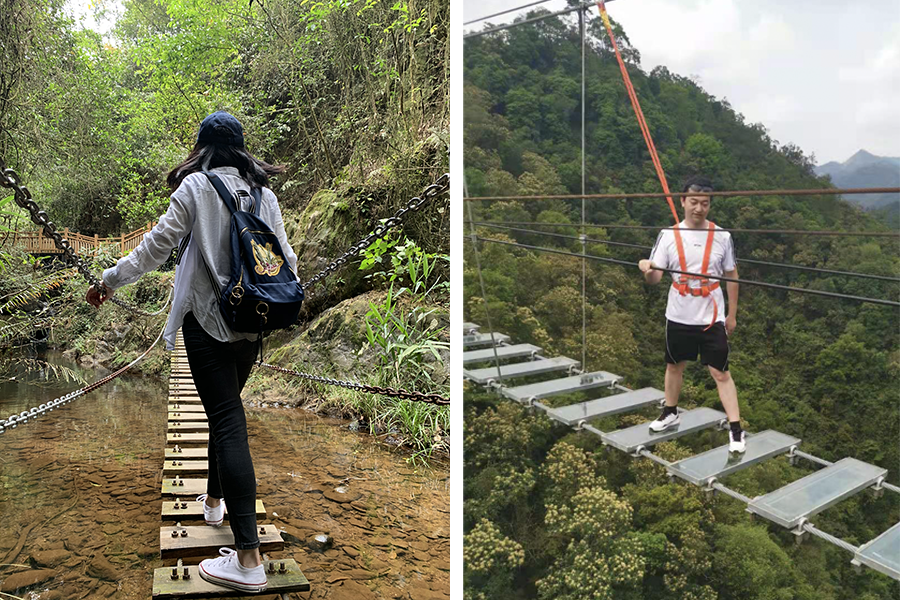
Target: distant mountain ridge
(865, 169)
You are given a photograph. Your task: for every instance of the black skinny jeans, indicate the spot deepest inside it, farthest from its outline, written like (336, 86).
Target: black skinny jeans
(220, 370)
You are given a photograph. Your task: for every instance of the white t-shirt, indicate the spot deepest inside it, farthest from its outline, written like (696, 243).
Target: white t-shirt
(694, 310)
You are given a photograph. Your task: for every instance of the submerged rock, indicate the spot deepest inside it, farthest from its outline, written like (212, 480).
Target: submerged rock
(26, 579)
(320, 542)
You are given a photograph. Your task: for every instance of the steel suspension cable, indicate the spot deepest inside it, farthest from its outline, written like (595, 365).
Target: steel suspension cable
(725, 194)
(527, 21)
(582, 27)
(487, 312)
(740, 260)
(723, 229)
(505, 12)
(725, 279)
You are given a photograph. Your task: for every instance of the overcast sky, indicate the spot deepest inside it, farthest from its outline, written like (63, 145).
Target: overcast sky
(99, 15)
(822, 74)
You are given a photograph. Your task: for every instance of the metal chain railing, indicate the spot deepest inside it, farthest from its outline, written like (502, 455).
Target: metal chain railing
(14, 420)
(10, 179)
(441, 185)
(362, 387)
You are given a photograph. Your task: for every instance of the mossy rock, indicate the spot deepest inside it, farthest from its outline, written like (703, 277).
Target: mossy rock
(319, 234)
(334, 344)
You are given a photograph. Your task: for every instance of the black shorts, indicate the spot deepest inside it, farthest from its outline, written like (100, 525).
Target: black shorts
(683, 342)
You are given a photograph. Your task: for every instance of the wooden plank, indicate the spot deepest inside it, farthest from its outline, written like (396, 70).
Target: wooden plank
(183, 453)
(183, 487)
(182, 398)
(165, 588)
(205, 541)
(172, 511)
(189, 407)
(187, 438)
(175, 416)
(189, 426)
(183, 467)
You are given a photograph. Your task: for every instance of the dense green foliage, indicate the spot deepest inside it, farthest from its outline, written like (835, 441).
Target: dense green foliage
(350, 95)
(824, 370)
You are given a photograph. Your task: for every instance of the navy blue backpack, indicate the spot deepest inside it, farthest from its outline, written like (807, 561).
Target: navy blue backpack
(263, 293)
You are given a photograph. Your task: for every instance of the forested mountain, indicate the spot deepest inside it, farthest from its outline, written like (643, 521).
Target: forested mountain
(864, 169)
(547, 514)
(351, 95)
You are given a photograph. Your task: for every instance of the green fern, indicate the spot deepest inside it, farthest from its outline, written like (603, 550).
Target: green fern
(22, 329)
(18, 300)
(17, 367)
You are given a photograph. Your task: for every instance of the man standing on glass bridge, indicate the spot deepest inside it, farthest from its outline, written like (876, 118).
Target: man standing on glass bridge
(695, 314)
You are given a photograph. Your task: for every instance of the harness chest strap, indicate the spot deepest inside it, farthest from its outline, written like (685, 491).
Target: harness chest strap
(705, 287)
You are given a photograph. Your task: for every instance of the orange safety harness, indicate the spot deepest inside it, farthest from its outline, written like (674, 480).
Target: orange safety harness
(705, 288)
(682, 284)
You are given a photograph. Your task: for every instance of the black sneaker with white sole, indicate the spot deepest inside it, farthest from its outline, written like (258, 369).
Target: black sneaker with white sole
(665, 421)
(737, 445)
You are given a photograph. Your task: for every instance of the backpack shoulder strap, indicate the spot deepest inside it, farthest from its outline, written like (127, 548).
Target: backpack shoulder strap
(257, 200)
(222, 190)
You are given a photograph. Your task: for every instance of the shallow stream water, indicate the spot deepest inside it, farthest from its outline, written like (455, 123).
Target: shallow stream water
(80, 499)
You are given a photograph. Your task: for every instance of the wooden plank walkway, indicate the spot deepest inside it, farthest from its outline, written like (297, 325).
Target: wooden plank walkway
(184, 476)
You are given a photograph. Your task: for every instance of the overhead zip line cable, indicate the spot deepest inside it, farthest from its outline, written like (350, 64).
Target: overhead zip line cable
(740, 260)
(688, 273)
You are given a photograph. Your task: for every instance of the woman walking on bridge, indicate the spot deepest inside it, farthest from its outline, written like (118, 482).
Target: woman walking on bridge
(220, 359)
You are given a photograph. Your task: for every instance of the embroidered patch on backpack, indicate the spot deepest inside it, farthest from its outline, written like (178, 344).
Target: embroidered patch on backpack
(267, 262)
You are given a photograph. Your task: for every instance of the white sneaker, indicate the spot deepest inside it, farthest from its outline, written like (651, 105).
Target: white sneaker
(665, 421)
(737, 445)
(213, 515)
(229, 572)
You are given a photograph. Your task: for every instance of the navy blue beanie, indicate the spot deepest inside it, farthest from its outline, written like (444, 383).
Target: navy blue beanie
(221, 128)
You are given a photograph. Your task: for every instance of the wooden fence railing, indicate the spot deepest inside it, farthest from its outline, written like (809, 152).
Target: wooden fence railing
(36, 242)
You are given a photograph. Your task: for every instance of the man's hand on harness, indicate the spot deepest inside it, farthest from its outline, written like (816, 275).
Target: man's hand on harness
(97, 297)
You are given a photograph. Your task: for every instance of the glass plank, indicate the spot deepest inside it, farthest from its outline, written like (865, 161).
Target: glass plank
(630, 438)
(554, 387)
(470, 328)
(503, 352)
(816, 492)
(719, 462)
(883, 553)
(611, 405)
(524, 369)
(484, 339)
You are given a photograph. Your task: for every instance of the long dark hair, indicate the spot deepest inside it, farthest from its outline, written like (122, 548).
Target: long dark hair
(209, 156)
